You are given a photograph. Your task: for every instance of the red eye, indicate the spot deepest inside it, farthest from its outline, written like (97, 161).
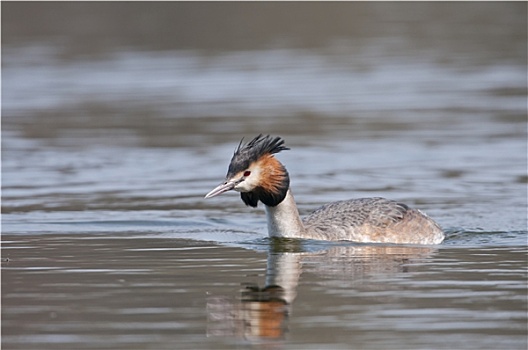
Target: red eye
(247, 173)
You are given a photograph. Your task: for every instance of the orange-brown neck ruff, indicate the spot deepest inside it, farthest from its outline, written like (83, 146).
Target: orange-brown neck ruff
(273, 183)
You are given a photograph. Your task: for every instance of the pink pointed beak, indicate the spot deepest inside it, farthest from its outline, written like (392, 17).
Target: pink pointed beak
(226, 186)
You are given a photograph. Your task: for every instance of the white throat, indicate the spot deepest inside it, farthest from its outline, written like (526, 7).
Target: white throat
(284, 220)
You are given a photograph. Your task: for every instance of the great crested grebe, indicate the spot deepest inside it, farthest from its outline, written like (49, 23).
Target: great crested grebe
(259, 176)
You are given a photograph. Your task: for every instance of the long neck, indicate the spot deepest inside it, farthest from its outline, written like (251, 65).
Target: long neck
(284, 220)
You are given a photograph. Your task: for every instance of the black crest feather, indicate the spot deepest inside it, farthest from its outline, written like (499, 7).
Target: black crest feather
(250, 152)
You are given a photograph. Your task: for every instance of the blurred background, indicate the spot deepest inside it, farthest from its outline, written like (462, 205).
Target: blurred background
(137, 106)
(118, 117)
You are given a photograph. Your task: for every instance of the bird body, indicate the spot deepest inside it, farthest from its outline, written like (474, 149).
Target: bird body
(259, 176)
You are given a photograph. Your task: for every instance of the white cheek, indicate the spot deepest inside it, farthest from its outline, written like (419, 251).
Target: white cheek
(242, 187)
(248, 184)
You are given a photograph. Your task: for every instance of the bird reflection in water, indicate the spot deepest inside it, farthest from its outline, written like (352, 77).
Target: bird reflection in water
(261, 314)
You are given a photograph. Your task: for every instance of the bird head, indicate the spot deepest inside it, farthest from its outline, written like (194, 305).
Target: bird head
(256, 173)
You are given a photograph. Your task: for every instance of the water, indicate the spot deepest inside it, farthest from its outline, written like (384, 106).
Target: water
(137, 292)
(108, 150)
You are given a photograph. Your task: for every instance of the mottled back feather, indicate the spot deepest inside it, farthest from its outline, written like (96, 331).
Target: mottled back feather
(371, 220)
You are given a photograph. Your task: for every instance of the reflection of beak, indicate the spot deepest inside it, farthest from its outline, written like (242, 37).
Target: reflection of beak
(226, 186)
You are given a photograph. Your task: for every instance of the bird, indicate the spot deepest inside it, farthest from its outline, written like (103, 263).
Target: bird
(256, 173)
